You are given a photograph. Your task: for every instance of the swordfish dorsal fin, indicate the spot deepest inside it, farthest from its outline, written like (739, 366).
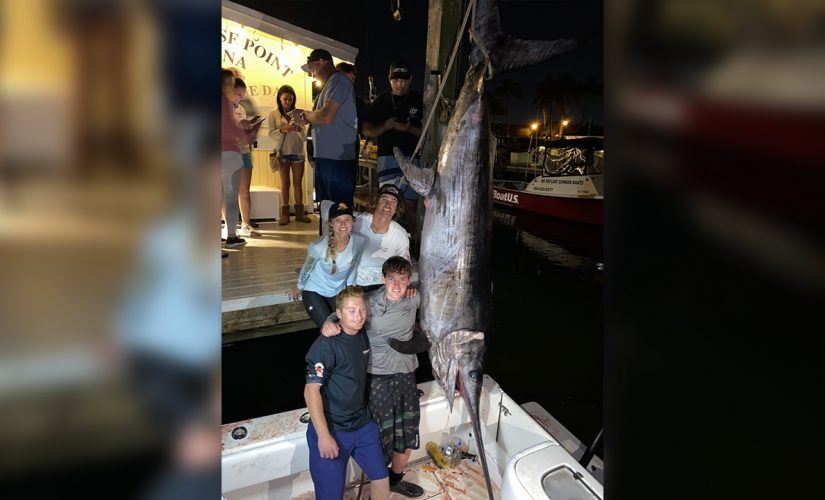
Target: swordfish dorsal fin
(421, 179)
(505, 52)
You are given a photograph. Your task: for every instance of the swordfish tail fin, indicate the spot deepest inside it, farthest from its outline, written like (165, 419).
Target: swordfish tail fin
(506, 52)
(421, 179)
(515, 53)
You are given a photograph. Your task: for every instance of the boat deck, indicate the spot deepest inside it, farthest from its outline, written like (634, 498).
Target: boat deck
(267, 457)
(465, 481)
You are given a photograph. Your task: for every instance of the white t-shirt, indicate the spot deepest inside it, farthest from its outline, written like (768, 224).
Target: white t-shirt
(378, 249)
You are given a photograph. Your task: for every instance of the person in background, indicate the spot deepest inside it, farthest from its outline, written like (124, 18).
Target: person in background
(334, 130)
(360, 105)
(335, 393)
(243, 110)
(331, 265)
(393, 393)
(232, 135)
(289, 138)
(395, 121)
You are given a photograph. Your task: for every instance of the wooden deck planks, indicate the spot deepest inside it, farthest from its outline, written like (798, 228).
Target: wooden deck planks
(257, 277)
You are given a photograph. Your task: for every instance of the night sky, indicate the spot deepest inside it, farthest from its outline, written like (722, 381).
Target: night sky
(368, 25)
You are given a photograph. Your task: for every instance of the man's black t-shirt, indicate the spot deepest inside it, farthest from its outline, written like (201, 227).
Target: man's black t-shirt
(339, 364)
(404, 108)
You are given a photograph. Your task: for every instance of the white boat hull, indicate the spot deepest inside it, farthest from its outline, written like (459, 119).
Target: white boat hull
(272, 460)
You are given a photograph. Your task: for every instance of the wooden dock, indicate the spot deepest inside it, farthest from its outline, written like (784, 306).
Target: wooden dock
(256, 280)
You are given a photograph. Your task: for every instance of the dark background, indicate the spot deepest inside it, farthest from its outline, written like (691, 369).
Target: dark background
(368, 25)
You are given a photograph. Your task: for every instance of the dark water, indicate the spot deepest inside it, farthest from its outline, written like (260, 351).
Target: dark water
(546, 343)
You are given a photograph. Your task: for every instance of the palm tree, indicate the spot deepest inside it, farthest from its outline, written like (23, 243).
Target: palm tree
(495, 106)
(508, 88)
(561, 95)
(592, 90)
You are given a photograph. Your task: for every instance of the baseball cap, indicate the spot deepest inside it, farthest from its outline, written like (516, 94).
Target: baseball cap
(399, 69)
(390, 189)
(337, 209)
(316, 55)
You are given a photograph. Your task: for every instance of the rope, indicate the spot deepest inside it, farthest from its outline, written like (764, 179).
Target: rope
(470, 8)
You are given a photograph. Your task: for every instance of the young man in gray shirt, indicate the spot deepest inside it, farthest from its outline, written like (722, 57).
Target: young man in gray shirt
(393, 393)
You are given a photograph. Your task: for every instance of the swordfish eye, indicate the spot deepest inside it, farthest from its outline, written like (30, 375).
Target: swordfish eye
(475, 375)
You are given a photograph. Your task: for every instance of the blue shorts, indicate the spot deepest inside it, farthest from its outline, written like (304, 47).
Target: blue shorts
(329, 475)
(290, 158)
(389, 172)
(335, 180)
(247, 160)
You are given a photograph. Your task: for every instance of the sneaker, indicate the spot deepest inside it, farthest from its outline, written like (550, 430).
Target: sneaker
(407, 489)
(247, 232)
(234, 242)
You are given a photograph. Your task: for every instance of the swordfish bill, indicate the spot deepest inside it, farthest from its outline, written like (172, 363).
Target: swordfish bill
(454, 264)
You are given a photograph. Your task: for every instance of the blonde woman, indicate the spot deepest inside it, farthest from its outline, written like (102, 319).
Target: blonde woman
(289, 138)
(330, 266)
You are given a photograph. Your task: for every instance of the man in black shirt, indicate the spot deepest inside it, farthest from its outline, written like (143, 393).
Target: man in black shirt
(335, 394)
(395, 121)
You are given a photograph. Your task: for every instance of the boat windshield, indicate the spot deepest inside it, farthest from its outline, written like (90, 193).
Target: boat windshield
(560, 158)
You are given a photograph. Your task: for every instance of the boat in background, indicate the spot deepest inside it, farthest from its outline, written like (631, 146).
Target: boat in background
(563, 178)
(529, 453)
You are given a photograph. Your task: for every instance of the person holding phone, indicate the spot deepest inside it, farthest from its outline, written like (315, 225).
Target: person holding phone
(289, 138)
(395, 121)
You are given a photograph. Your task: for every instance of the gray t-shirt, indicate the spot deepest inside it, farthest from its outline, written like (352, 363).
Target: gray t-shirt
(388, 320)
(337, 140)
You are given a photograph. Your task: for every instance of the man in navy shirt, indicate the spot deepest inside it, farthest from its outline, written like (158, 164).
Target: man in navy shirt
(335, 394)
(394, 120)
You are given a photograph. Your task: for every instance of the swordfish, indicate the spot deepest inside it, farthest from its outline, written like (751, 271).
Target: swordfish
(454, 264)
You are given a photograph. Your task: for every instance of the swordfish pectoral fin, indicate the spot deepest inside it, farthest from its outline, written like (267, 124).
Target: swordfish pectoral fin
(421, 179)
(416, 344)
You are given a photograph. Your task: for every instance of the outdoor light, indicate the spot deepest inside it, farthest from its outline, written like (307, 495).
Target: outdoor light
(534, 126)
(562, 125)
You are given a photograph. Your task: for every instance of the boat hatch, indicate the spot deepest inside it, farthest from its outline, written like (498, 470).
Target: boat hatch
(564, 483)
